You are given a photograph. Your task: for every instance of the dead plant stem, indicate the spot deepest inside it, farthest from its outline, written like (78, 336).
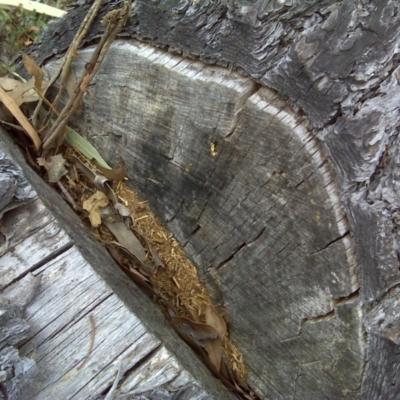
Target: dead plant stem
(115, 20)
(65, 66)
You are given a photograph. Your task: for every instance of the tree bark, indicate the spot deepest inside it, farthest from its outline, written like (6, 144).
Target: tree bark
(280, 179)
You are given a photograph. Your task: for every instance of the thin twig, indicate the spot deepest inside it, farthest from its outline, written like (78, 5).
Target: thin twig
(65, 66)
(92, 336)
(17, 127)
(120, 369)
(115, 20)
(67, 196)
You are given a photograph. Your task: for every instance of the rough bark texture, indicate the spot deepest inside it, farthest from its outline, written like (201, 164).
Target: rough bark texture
(17, 374)
(336, 64)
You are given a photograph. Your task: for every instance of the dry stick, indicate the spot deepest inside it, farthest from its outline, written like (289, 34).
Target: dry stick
(72, 50)
(87, 76)
(66, 62)
(92, 336)
(17, 127)
(67, 196)
(116, 19)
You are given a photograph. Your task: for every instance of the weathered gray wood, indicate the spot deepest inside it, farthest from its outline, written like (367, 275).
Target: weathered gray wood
(17, 373)
(14, 188)
(61, 333)
(26, 229)
(146, 352)
(336, 63)
(259, 218)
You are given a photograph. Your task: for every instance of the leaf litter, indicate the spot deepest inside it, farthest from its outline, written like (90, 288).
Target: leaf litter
(120, 220)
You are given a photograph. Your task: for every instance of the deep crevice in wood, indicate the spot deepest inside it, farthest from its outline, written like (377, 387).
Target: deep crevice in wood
(341, 237)
(226, 261)
(328, 315)
(143, 360)
(43, 261)
(351, 297)
(324, 78)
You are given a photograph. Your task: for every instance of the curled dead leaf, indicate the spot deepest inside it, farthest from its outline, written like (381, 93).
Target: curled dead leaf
(154, 254)
(20, 117)
(56, 168)
(93, 205)
(100, 181)
(216, 321)
(204, 336)
(127, 238)
(136, 276)
(9, 84)
(33, 70)
(123, 211)
(116, 174)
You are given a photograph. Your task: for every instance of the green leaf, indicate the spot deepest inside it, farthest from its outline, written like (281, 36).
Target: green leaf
(78, 142)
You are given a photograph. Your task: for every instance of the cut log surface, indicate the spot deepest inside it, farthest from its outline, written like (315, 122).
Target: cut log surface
(248, 191)
(82, 337)
(277, 171)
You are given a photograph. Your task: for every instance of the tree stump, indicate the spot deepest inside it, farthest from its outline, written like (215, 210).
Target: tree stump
(265, 135)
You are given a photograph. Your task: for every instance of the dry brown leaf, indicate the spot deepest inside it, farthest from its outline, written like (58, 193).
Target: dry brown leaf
(42, 162)
(127, 239)
(135, 275)
(25, 92)
(154, 254)
(139, 278)
(56, 168)
(145, 268)
(116, 174)
(204, 335)
(33, 70)
(9, 84)
(21, 90)
(197, 330)
(213, 348)
(216, 321)
(93, 204)
(20, 117)
(100, 181)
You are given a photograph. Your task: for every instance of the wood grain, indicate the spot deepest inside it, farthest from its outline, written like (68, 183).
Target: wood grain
(27, 229)
(336, 64)
(250, 194)
(76, 358)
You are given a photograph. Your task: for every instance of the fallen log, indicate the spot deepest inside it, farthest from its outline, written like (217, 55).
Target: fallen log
(72, 325)
(265, 136)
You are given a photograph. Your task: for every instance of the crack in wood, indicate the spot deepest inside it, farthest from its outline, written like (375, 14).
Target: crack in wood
(230, 258)
(41, 263)
(255, 87)
(327, 316)
(345, 299)
(338, 239)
